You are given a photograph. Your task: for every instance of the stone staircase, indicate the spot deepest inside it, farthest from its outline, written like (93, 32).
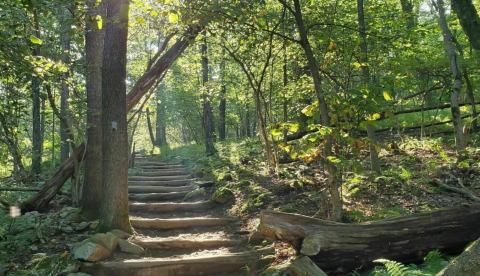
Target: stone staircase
(180, 238)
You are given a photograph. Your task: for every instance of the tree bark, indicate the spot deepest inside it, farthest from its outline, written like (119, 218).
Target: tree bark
(374, 161)
(149, 125)
(36, 135)
(114, 213)
(223, 101)
(160, 129)
(407, 8)
(93, 192)
(207, 104)
(333, 178)
(41, 200)
(448, 38)
(469, 19)
(345, 246)
(467, 264)
(65, 92)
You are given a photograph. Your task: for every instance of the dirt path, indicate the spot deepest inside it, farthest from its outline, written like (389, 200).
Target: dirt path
(180, 238)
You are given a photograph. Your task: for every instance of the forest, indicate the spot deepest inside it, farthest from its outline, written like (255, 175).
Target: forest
(239, 137)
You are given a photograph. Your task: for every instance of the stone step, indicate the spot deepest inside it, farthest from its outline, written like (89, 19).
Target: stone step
(164, 173)
(171, 183)
(188, 266)
(172, 207)
(157, 196)
(158, 178)
(172, 242)
(157, 189)
(151, 163)
(179, 223)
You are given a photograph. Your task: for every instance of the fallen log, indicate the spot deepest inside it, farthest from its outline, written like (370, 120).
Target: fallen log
(466, 264)
(346, 246)
(11, 189)
(40, 201)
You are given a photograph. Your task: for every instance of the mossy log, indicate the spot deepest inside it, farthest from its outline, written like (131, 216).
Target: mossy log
(346, 246)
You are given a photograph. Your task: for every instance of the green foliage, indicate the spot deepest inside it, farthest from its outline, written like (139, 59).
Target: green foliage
(434, 262)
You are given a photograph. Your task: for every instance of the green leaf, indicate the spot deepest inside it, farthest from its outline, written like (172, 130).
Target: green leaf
(35, 40)
(387, 96)
(173, 18)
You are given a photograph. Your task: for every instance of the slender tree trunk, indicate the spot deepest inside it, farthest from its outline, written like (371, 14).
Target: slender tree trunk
(114, 213)
(65, 92)
(93, 192)
(471, 97)
(248, 127)
(469, 19)
(460, 143)
(207, 104)
(149, 125)
(42, 124)
(333, 178)
(160, 128)
(375, 163)
(223, 101)
(36, 136)
(131, 143)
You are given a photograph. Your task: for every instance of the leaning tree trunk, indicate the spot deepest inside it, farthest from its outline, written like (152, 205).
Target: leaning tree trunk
(448, 37)
(467, 264)
(115, 210)
(92, 192)
(333, 179)
(223, 101)
(341, 247)
(469, 19)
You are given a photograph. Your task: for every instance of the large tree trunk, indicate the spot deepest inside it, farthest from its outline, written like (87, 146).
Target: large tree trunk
(114, 213)
(448, 37)
(407, 8)
(36, 135)
(345, 246)
(92, 192)
(207, 104)
(41, 200)
(65, 92)
(469, 19)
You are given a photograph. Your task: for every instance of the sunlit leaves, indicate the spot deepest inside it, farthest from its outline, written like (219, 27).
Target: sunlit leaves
(35, 40)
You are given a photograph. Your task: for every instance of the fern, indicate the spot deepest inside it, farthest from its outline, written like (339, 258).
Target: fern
(398, 269)
(434, 262)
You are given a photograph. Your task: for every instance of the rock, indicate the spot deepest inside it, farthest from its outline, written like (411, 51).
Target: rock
(311, 245)
(227, 177)
(94, 225)
(223, 195)
(82, 226)
(260, 265)
(278, 270)
(195, 194)
(203, 184)
(303, 266)
(56, 265)
(198, 174)
(129, 247)
(91, 252)
(65, 212)
(255, 237)
(120, 234)
(77, 245)
(66, 229)
(108, 240)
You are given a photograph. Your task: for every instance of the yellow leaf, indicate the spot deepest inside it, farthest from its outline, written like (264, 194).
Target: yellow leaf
(387, 96)
(64, 254)
(173, 18)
